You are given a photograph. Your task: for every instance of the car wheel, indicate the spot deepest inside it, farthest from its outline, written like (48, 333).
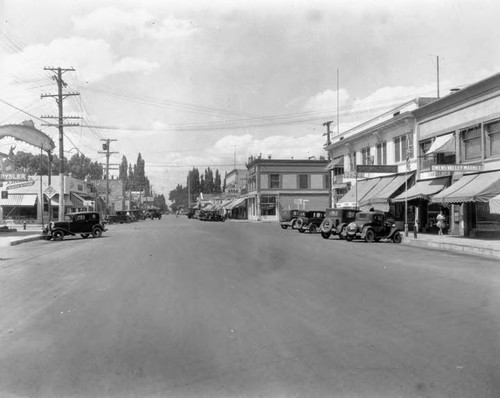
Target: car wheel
(325, 235)
(293, 224)
(349, 238)
(312, 229)
(85, 236)
(298, 223)
(327, 224)
(370, 236)
(284, 226)
(58, 235)
(301, 230)
(397, 238)
(97, 232)
(342, 234)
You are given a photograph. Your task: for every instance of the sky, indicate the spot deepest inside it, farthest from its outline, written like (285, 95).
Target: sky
(210, 83)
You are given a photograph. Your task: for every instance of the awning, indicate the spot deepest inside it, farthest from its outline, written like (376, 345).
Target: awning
(19, 200)
(384, 191)
(335, 163)
(443, 144)
(479, 187)
(67, 202)
(77, 200)
(359, 190)
(424, 189)
(495, 204)
(239, 202)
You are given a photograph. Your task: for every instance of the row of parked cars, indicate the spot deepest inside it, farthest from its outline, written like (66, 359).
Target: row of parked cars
(346, 223)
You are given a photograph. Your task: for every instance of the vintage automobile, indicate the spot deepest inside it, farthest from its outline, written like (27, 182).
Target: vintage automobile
(310, 221)
(212, 215)
(288, 217)
(372, 226)
(336, 221)
(85, 223)
(120, 217)
(153, 213)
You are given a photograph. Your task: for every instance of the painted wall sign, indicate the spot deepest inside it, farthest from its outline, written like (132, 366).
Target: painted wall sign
(371, 168)
(13, 176)
(457, 167)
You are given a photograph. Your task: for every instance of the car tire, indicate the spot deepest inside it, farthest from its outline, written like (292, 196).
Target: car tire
(342, 233)
(284, 226)
(312, 229)
(298, 223)
(97, 232)
(325, 235)
(85, 236)
(397, 238)
(349, 238)
(301, 230)
(58, 235)
(370, 236)
(327, 224)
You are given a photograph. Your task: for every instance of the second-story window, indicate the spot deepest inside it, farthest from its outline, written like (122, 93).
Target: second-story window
(303, 181)
(382, 153)
(365, 154)
(492, 138)
(352, 161)
(471, 143)
(274, 181)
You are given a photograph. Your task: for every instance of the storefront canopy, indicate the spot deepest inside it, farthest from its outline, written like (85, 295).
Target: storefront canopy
(495, 204)
(424, 189)
(479, 187)
(359, 191)
(239, 202)
(379, 196)
(19, 200)
(337, 162)
(443, 144)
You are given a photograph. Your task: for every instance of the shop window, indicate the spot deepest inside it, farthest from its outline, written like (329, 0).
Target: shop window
(492, 138)
(471, 143)
(274, 181)
(268, 205)
(303, 181)
(382, 153)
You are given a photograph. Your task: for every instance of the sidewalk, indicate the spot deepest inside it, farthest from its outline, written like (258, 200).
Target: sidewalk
(473, 246)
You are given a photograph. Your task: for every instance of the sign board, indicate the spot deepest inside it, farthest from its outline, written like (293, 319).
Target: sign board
(50, 191)
(13, 176)
(16, 185)
(427, 175)
(372, 168)
(88, 203)
(457, 167)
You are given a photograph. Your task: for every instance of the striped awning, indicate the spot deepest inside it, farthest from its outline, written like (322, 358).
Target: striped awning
(424, 189)
(479, 187)
(19, 200)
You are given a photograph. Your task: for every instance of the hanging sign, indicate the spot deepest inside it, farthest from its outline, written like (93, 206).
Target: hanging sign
(376, 168)
(457, 167)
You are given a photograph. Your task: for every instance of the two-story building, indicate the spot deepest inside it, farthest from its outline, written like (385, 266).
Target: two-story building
(275, 184)
(459, 144)
(386, 140)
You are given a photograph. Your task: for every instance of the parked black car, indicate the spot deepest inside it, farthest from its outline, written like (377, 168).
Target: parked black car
(84, 223)
(372, 226)
(336, 221)
(153, 213)
(120, 217)
(288, 217)
(310, 221)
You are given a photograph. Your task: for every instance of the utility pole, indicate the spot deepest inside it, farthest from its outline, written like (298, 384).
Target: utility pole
(106, 150)
(59, 97)
(330, 172)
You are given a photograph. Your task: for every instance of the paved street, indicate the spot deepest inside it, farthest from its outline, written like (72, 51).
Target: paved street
(183, 308)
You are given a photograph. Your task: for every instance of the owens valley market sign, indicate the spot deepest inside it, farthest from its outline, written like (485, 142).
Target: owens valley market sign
(457, 167)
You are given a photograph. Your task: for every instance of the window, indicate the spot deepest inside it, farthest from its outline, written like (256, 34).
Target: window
(326, 180)
(401, 146)
(382, 153)
(274, 181)
(492, 138)
(268, 205)
(471, 143)
(365, 156)
(303, 181)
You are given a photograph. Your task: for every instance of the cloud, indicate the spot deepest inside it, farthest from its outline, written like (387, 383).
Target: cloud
(326, 100)
(114, 21)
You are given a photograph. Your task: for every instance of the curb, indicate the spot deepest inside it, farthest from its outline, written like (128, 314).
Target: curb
(454, 247)
(31, 238)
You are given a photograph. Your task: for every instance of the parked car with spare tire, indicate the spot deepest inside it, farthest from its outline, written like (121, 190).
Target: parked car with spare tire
(288, 218)
(373, 226)
(310, 221)
(336, 221)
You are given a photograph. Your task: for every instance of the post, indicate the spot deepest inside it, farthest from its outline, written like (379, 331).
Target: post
(61, 144)
(328, 143)
(41, 188)
(49, 154)
(406, 202)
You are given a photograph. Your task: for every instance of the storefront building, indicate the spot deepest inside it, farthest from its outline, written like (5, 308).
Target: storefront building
(276, 184)
(459, 159)
(387, 140)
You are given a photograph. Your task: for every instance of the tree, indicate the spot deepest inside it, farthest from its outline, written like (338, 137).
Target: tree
(217, 183)
(80, 167)
(178, 197)
(122, 174)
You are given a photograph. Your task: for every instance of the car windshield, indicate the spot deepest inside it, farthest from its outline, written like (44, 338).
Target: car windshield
(68, 217)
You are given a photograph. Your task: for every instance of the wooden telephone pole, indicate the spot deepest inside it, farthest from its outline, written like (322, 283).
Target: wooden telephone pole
(108, 153)
(59, 97)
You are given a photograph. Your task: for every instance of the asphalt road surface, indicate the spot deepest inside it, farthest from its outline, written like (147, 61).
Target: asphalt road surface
(184, 308)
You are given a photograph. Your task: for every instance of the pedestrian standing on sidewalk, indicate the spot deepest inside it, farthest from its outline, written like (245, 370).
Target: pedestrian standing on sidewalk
(440, 222)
